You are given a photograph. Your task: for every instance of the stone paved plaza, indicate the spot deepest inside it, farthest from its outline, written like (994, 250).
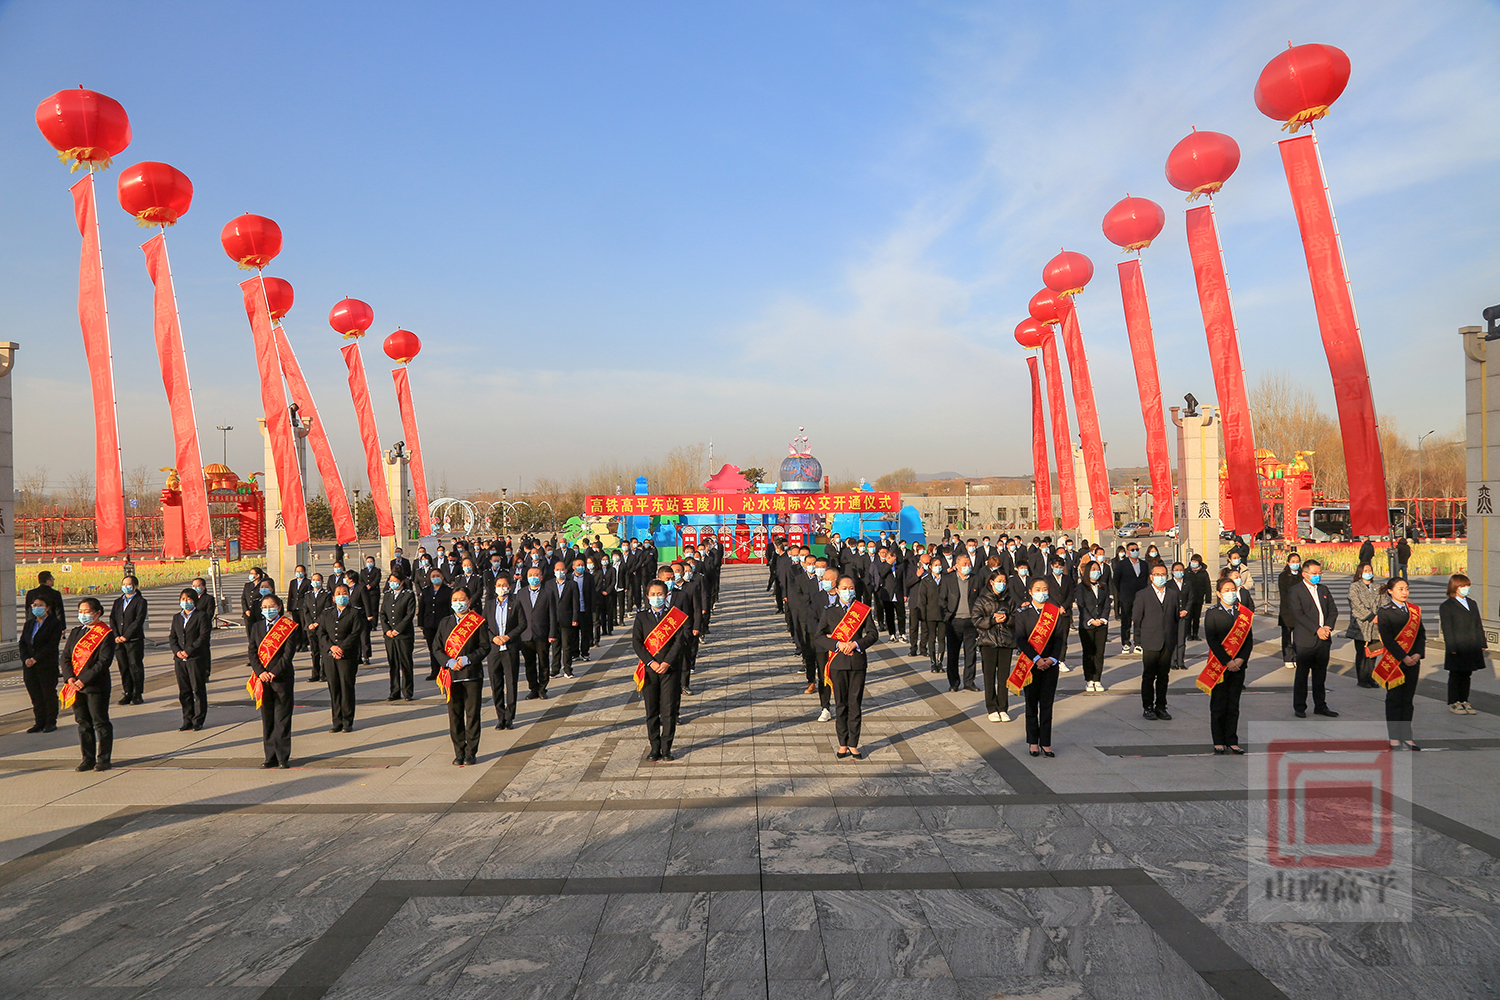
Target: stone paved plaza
(948, 863)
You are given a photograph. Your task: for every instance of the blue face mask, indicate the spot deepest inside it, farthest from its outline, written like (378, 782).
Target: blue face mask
(1039, 597)
(186, 605)
(85, 617)
(198, 590)
(459, 607)
(342, 600)
(395, 584)
(301, 575)
(658, 601)
(1367, 576)
(534, 581)
(127, 588)
(1314, 577)
(825, 585)
(270, 614)
(265, 592)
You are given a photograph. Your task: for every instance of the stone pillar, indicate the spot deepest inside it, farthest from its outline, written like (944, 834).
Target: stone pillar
(281, 558)
(1081, 490)
(1198, 483)
(7, 506)
(1482, 458)
(397, 475)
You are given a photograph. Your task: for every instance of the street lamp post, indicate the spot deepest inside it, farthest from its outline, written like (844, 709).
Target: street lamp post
(226, 429)
(1421, 489)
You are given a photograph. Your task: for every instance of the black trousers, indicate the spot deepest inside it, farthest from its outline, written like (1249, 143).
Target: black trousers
(1194, 617)
(1091, 638)
(635, 592)
(398, 654)
(463, 717)
(315, 651)
(41, 688)
(900, 617)
(433, 658)
(1154, 666)
(1458, 686)
(585, 632)
(96, 734)
(1398, 703)
(1311, 663)
(1288, 652)
(1364, 664)
(276, 722)
(934, 638)
(1224, 709)
(1039, 695)
(1124, 607)
(192, 690)
(914, 635)
(562, 649)
(130, 656)
(962, 636)
(780, 600)
(848, 711)
(537, 653)
(505, 679)
(661, 694)
(366, 651)
(888, 616)
(340, 674)
(995, 661)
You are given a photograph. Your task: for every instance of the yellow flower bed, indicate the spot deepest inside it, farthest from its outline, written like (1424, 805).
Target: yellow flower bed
(1427, 558)
(107, 581)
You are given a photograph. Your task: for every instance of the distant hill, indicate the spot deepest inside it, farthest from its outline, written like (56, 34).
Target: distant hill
(925, 476)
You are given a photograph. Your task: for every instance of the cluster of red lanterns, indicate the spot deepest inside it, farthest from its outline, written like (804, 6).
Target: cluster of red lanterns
(86, 128)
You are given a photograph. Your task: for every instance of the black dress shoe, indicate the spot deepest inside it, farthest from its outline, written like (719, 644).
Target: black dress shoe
(1325, 710)
(34, 729)
(458, 762)
(667, 755)
(197, 726)
(124, 700)
(103, 765)
(653, 756)
(499, 725)
(138, 700)
(531, 695)
(184, 727)
(1300, 714)
(394, 697)
(268, 764)
(842, 754)
(470, 759)
(1149, 715)
(349, 728)
(336, 729)
(1164, 715)
(50, 727)
(407, 697)
(285, 765)
(87, 765)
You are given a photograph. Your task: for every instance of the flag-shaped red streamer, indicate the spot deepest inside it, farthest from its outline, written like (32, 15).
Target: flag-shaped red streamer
(1143, 353)
(1088, 419)
(413, 447)
(1062, 437)
(317, 436)
(359, 392)
(174, 378)
(1039, 468)
(278, 420)
(1244, 514)
(1369, 511)
(93, 320)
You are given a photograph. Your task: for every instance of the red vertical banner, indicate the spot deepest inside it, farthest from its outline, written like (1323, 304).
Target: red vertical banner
(409, 428)
(1040, 471)
(1332, 298)
(1062, 437)
(93, 321)
(1244, 514)
(1143, 353)
(198, 529)
(364, 413)
(317, 436)
(1088, 419)
(278, 420)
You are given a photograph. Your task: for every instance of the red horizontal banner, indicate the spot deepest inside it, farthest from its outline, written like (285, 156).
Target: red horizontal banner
(745, 503)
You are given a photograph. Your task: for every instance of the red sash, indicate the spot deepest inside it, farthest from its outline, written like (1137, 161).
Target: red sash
(87, 645)
(1041, 633)
(276, 635)
(1213, 671)
(845, 631)
(462, 632)
(657, 640)
(1388, 673)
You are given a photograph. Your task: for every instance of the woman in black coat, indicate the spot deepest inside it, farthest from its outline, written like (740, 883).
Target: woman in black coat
(278, 682)
(1042, 690)
(991, 614)
(1463, 634)
(1224, 699)
(1094, 603)
(1393, 618)
(189, 645)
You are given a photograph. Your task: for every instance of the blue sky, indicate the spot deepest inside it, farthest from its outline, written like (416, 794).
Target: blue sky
(622, 227)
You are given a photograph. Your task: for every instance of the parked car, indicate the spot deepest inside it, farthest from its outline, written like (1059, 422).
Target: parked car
(1135, 529)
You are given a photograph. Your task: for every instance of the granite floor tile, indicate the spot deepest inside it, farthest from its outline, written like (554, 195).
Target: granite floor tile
(735, 955)
(663, 956)
(884, 953)
(506, 961)
(1000, 950)
(795, 955)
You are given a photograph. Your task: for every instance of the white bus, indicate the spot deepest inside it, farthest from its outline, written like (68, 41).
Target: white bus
(1331, 524)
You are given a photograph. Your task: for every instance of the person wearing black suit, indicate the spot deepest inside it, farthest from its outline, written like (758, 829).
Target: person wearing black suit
(1392, 618)
(339, 630)
(957, 593)
(96, 734)
(1042, 690)
(317, 600)
(432, 608)
(1093, 602)
(565, 601)
(38, 647)
(48, 594)
(539, 601)
(366, 596)
(1154, 618)
(189, 645)
(1200, 593)
(279, 680)
(398, 618)
(661, 690)
(295, 592)
(885, 590)
(127, 618)
(1224, 699)
(847, 666)
(250, 595)
(585, 590)
(466, 668)
(604, 599)
(1132, 575)
(684, 598)
(399, 563)
(991, 613)
(1463, 637)
(1310, 610)
(506, 618)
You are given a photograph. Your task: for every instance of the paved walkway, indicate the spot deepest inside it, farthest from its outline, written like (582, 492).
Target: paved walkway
(946, 864)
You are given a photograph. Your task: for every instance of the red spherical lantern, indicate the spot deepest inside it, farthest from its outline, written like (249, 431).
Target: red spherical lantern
(402, 346)
(155, 193)
(1201, 163)
(1029, 333)
(278, 296)
(1134, 222)
(1299, 85)
(1067, 273)
(86, 128)
(1045, 307)
(251, 241)
(351, 318)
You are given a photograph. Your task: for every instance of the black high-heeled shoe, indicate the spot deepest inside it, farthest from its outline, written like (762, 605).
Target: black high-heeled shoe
(1412, 745)
(1220, 751)
(1033, 751)
(1237, 750)
(1047, 753)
